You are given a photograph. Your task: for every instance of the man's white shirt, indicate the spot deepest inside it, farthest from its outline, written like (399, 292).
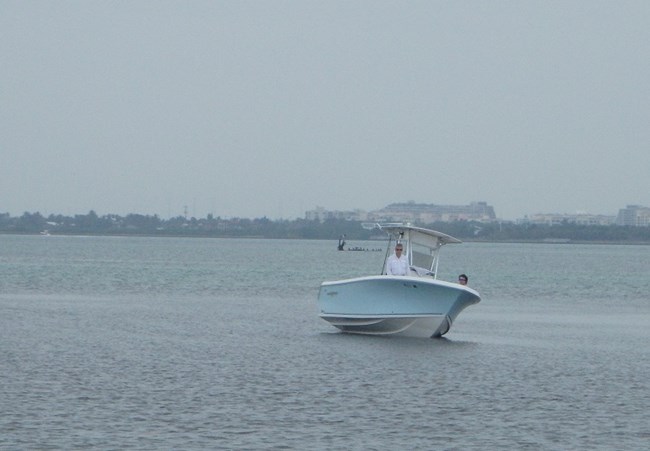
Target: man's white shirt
(397, 266)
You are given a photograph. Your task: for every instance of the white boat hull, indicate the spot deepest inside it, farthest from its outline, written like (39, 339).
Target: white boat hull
(383, 305)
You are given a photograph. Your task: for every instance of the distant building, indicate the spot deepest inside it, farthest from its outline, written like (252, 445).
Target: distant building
(428, 213)
(634, 215)
(559, 219)
(411, 212)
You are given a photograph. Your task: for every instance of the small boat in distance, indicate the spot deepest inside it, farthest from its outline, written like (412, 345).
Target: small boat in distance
(417, 304)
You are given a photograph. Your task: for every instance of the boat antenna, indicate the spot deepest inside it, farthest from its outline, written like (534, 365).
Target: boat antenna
(374, 225)
(390, 239)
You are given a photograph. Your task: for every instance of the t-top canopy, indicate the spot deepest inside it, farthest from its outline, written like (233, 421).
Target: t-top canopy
(409, 232)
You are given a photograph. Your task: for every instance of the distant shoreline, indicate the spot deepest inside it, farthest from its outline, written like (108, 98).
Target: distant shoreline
(261, 237)
(328, 229)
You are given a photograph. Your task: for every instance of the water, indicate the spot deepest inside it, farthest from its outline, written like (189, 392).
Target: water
(166, 343)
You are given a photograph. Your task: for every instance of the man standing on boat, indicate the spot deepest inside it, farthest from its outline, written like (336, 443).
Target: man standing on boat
(397, 264)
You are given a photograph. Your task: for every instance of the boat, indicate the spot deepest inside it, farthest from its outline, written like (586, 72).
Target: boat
(341, 246)
(417, 304)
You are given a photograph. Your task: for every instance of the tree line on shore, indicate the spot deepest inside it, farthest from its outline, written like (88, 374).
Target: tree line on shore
(148, 225)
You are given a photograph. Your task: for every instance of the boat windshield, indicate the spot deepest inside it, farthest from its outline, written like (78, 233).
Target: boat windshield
(422, 255)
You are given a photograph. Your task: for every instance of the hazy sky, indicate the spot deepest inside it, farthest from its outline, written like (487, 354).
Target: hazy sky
(271, 108)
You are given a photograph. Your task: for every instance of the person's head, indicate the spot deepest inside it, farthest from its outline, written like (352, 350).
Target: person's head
(462, 279)
(399, 249)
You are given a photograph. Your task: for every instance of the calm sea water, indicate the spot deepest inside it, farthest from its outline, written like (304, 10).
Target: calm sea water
(166, 343)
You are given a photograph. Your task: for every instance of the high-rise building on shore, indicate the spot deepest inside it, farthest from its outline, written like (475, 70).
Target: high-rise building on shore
(428, 213)
(634, 215)
(412, 212)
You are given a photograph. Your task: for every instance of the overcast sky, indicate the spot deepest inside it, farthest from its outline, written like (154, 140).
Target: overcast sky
(271, 108)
